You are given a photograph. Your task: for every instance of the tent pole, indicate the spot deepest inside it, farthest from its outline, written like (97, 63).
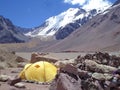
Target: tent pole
(44, 72)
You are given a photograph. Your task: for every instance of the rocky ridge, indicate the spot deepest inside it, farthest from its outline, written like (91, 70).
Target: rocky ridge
(62, 25)
(10, 33)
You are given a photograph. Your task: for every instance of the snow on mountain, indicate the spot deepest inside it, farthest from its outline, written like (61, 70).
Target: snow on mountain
(101, 33)
(73, 18)
(54, 23)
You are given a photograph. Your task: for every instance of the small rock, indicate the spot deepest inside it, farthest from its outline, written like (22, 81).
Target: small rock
(14, 71)
(119, 67)
(107, 83)
(107, 69)
(112, 85)
(98, 76)
(91, 64)
(4, 78)
(13, 81)
(20, 59)
(89, 74)
(114, 79)
(2, 59)
(108, 76)
(117, 71)
(98, 84)
(2, 65)
(60, 64)
(69, 69)
(64, 63)
(13, 52)
(83, 74)
(104, 61)
(93, 87)
(21, 65)
(19, 85)
(33, 57)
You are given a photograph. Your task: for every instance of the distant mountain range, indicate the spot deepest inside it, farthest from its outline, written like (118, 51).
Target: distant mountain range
(102, 32)
(73, 30)
(10, 33)
(64, 24)
(57, 27)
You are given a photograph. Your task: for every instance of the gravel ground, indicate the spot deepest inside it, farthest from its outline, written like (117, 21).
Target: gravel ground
(28, 86)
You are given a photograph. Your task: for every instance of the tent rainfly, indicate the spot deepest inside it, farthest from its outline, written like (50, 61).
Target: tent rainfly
(41, 71)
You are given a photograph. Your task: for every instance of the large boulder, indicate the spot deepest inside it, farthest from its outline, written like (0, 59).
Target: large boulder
(67, 79)
(61, 64)
(66, 82)
(35, 57)
(19, 85)
(95, 67)
(4, 78)
(100, 76)
(20, 59)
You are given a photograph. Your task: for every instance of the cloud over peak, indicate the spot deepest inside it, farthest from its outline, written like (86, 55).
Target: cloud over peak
(73, 2)
(90, 4)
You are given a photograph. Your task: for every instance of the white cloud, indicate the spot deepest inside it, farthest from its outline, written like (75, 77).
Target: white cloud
(94, 4)
(90, 4)
(73, 2)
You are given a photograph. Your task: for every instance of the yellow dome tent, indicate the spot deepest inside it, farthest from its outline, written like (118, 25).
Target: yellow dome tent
(41, 71)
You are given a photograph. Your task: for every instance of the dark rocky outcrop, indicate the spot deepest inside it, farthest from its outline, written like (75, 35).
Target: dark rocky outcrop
(67, 79)
(94, 74)
(9, 33)
(63, 32)
(68, 29)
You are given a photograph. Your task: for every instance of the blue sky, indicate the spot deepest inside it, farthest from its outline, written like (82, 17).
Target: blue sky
(32, 13)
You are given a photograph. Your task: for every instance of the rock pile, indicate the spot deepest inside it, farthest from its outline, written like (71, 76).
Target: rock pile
(12, 81)
(99, 71)
(10, 60)
(101, 58)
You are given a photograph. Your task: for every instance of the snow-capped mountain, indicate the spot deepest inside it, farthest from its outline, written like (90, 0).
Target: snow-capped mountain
(101, 33)
(62, 25)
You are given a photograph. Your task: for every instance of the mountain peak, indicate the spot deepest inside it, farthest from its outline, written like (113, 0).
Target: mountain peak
(101, 33)
(65, 23)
